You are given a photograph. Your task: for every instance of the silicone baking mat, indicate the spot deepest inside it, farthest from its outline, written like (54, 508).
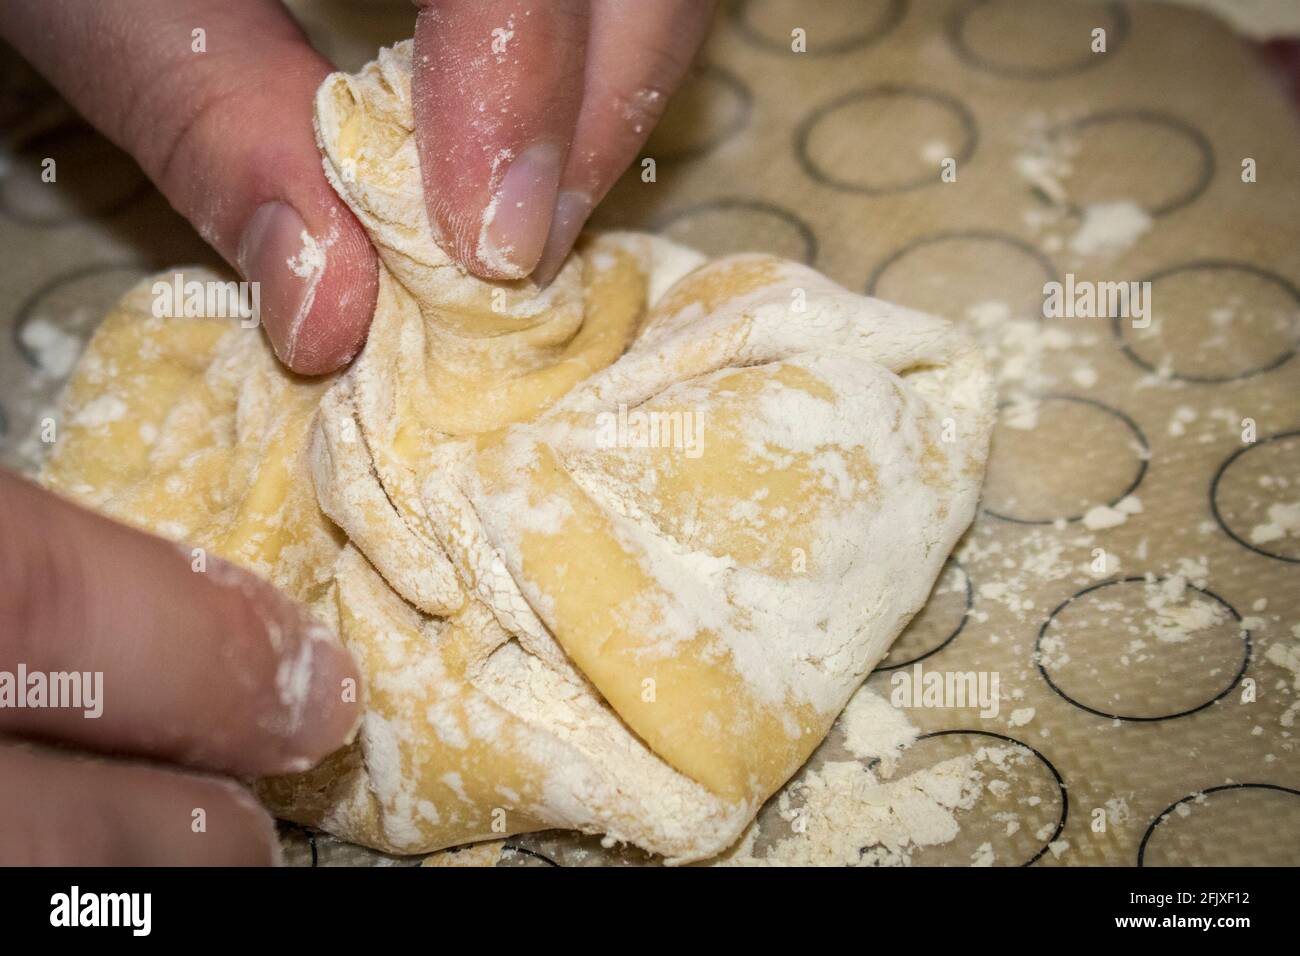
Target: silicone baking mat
(1134, 467)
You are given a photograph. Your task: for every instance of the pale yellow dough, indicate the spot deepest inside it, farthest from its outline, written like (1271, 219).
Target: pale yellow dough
(635, 641)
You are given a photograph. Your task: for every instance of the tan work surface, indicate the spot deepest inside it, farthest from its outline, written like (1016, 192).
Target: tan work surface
(1187, 745)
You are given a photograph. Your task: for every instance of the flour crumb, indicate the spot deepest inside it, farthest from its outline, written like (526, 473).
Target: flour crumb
(310, 260)
(1021, 716)
(1102, 517)
(1085, 376)
(1179, 613)
(55, 349)
(873, 727)
(1283, 521)
(1109, 228)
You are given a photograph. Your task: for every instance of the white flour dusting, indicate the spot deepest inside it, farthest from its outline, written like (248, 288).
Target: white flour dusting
(1283, 521)
(54, 348)
(843, 814)
(1109, 228)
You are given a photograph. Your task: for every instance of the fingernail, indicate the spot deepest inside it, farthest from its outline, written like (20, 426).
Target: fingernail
(278, 253)
(571, 211)
(310, 703)
(319, 696)
(516, 222)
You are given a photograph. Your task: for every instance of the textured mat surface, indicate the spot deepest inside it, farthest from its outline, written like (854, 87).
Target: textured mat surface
(1134, 577)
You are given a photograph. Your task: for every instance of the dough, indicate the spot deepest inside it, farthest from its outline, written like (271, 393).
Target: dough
(611, 556)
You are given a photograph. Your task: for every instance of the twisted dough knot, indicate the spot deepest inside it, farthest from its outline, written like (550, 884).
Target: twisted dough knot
(611, 556)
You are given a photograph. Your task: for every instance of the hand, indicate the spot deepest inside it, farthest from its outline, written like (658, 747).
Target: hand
(213, 671)
(544, 127)
(527, 113)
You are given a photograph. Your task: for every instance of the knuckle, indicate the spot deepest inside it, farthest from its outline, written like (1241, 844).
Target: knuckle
(191, 109)
(204, 106)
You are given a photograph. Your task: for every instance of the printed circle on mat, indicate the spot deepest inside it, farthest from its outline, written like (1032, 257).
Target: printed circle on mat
(52, 326)
(1016, 809)
(1143, 650)
(567, 848)
(938, 623)
(721, 227)
(297, 844)
(711, 106)
(570, 849)
(92, 177)
(1035, 41)
(1153, 159)
(950, 273)
(1237, 824)
(1214, 321)
(1255, 496)
(952, 798)
(885, 139)
(832, 26)
(514, 854)
(1098, 455)
(319, 849)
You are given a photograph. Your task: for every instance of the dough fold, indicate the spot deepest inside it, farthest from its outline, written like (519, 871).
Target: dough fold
(612, 556)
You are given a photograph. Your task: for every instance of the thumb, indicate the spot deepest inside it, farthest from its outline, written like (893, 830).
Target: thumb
(495, 92)
(214, 101)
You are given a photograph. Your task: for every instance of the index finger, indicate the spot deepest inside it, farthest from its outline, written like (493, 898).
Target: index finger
(216, 670)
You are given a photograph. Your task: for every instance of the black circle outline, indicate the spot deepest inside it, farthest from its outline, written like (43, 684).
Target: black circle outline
(1236, 679)
(1133, 486)
(948, 102)
(1164, 814)
(893, 15)
(961, 624)
(71, 129)
(524, 851)
(1060, 781)
(955, 32)
(24, 313)
(1214, 490)
(744, 97)
(1156, 118)
(286, 827)
(961, 235)
(1117, 323)
(726, 203)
